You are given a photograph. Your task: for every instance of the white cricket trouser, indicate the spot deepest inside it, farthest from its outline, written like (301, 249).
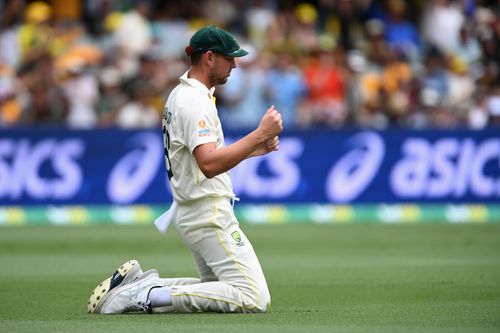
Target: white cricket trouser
(231, 278)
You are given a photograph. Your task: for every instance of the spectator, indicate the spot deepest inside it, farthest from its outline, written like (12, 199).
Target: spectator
(151, 72)
(41, 96)
(219, 12)
(434, 77)
(401, 34)
(461, 88)
(355, 97)
(171, 32)
(477, 117)
(489, 40)
(303, 30)
(138, 112)
(431, 112)
(286, 88)
(441, 24)
(396, 84)
(10, 108)
(469, 49)
(325, 83)
(133, 34)
(81, 91)
(95, 13)
(35, 34)
(112, 98)
(9, 25)
(376, 48)
(362, 94)
(345, 24)
(259, 18)
(493, 108)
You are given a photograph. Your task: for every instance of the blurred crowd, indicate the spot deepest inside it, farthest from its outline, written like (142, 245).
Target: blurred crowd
(326, 63)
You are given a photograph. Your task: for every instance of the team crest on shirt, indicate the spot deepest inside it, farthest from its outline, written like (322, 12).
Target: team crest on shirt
(203, 130)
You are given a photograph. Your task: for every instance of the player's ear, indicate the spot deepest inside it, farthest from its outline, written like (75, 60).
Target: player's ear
(210, 57)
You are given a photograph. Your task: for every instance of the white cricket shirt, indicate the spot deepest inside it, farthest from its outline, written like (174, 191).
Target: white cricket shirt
(189, 120)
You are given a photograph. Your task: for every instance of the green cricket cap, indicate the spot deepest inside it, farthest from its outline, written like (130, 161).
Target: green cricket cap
(215, 39)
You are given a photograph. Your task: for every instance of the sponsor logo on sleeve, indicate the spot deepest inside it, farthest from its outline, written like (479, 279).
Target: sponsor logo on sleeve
(202, 129)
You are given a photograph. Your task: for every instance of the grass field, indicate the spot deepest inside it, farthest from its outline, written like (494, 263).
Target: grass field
(323, 278)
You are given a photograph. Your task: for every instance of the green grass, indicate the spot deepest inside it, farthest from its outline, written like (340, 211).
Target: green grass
(344, 278)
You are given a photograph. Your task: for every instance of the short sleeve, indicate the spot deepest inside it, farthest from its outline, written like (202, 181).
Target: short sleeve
(198, 126)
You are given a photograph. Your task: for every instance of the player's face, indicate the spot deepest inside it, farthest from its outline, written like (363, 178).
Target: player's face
(222, 69)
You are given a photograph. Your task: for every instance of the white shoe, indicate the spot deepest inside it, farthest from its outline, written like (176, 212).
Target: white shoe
(131, 297)
(128, 272)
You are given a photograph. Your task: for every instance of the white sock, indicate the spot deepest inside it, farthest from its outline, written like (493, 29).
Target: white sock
(160, 296)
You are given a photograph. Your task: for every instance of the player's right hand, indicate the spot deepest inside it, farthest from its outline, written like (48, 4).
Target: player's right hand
(271, 124)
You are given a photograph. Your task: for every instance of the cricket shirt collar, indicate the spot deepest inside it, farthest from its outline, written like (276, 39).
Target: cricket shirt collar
(197, 85)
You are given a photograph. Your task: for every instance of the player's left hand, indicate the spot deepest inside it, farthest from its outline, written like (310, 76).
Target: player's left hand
(273, 144)
(267, 147)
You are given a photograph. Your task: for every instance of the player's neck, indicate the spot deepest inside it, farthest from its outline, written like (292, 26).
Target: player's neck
(197, 75)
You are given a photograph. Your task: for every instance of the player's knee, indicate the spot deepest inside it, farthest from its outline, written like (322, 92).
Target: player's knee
(262, 300)
(256, 297)
(265, 301)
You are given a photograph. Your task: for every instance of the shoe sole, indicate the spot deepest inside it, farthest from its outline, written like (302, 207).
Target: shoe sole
(124, 274)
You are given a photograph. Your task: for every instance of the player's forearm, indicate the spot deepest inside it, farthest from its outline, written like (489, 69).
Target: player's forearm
(220, 160)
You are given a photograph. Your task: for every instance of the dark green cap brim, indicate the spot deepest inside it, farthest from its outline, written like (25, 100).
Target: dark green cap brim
(239, 53)
(233, 54)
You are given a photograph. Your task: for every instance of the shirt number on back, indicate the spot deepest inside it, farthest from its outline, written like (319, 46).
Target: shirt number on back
(166, 136)
(167, 118)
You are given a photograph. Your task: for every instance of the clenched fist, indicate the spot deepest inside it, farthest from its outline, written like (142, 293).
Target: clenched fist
(271, 124)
